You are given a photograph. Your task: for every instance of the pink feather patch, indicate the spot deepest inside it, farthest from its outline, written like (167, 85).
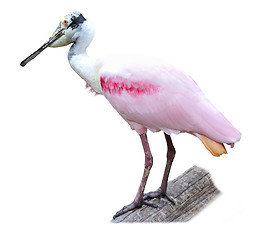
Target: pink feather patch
(116, 85)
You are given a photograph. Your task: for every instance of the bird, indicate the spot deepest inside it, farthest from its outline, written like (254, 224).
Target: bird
(149, 94)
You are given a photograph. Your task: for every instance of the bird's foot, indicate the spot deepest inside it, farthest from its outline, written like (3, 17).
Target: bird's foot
(133, 206)
(158, 194)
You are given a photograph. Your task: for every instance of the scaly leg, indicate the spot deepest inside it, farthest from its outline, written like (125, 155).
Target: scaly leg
(138, 201)
(162, 191)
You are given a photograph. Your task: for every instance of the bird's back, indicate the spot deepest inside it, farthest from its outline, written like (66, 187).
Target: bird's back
(150, 94)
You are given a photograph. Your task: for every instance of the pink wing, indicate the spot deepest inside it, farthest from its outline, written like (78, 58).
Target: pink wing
(152, 95)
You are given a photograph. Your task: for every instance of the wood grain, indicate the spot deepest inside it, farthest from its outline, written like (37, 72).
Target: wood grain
(192, 191)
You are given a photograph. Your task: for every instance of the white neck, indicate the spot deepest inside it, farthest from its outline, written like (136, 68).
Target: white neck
(83, 65)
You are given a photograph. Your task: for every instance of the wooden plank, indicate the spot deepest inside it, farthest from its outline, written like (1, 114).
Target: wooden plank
(192, 191)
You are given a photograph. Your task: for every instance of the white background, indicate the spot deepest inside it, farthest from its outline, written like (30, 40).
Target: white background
(68, 161)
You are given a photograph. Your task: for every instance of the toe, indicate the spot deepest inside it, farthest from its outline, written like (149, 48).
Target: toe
(158, 194)
(133, 206)
(170, 199)
(126, 209)
(151, 195)
(150, 204)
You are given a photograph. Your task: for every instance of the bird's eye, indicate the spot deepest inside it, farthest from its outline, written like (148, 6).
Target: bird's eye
(65, 22)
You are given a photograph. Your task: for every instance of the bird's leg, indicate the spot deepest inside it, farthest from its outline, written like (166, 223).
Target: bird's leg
(170, 156)
(162, 191)
(138, 201)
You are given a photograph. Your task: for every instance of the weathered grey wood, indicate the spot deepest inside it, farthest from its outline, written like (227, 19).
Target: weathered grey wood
(192, 191)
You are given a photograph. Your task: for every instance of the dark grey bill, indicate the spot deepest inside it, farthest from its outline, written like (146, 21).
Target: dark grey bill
(35, 54)
(42, 48)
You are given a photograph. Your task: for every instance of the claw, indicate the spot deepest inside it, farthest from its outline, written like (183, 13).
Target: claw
(158, 194)
(150, 204)
(133, 206)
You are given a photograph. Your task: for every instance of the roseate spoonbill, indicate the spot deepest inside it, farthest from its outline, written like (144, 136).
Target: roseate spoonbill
(148, 94)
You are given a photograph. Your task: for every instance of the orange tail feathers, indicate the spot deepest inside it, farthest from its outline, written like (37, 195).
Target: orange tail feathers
(215, 148)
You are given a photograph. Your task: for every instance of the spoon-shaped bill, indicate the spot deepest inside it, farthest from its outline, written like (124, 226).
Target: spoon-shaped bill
(57, 35)
(35, 54)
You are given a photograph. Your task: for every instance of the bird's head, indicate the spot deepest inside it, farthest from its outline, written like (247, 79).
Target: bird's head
(66, 33)
(67, 30)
